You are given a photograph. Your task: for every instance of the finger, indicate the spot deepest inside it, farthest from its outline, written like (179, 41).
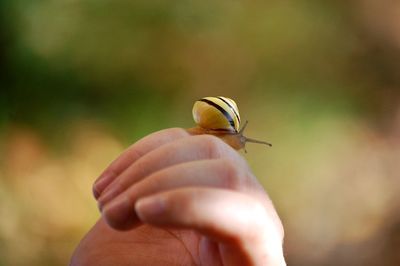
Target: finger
(180, 151)
(218, 173)
(236, 220)
(133, 153)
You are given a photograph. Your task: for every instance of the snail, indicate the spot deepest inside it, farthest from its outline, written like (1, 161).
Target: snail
(219, 116)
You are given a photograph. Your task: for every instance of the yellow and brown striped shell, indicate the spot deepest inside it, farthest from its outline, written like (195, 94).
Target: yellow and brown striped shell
(217, 113)
(220, 116)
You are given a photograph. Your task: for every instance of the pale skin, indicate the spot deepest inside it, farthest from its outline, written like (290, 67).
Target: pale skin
(176, 199)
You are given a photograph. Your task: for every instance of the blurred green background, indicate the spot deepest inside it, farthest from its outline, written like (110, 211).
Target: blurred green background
(80, 80)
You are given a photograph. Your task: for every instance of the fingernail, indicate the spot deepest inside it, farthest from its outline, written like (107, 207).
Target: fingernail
(149, 207)
(101, 183)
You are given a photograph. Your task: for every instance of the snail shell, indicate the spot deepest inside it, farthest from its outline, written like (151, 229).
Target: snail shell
(217, 113)
(220, 116)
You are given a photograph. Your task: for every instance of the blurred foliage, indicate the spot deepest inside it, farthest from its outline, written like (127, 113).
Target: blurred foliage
(81, 79)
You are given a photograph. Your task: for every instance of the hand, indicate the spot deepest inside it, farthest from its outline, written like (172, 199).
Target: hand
(186, 200)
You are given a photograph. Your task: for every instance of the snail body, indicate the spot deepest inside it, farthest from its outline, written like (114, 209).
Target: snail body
(220, 116)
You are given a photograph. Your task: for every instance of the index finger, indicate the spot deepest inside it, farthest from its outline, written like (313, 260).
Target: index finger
(134, 152)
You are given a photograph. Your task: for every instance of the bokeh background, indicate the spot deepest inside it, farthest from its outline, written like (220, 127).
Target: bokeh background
(80, 80)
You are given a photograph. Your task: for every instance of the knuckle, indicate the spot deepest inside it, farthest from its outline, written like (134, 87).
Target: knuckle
(281, 230)
(232, 174)
(213, 146)
(270, 220)
(257, 209)
(176, 131)
(166, 136)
